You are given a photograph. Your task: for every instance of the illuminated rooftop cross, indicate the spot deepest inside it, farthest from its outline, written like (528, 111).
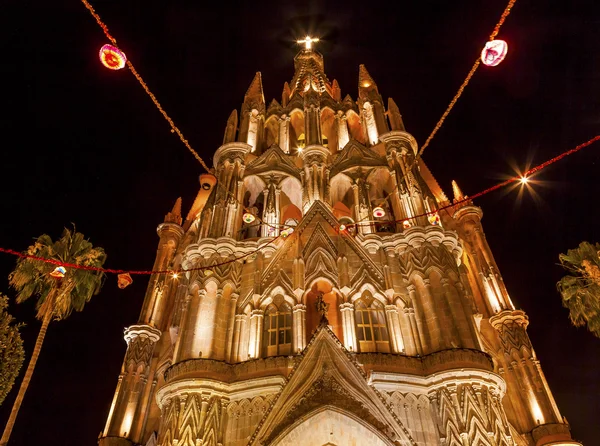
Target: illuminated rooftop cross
(308, 41)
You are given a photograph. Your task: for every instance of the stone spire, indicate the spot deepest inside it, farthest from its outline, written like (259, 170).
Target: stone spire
(254, 97)
(458, 195)
(394, 116)
(175, 215)
(364, 79)
(309, 66)
(231, 128)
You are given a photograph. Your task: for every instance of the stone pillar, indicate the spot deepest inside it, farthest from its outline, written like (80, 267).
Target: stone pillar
(237, 338)
(430, 309)
(530, 392)
(418, 322)
(413, 347)
(467, 408)
(315, 175)
(349, 326)
(124, 417)
(231, 325)
(284, 133)
(256, 328)
(343, 136)
(299, 327)
(391, 313)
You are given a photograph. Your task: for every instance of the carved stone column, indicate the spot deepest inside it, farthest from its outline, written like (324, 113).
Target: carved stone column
(349, 326)
(124, 416)
(299, 327)
(284, 133)
(528, 391)
(391, 313)
(315, 175)
(343, 136)
(256, 328)
(418, 322)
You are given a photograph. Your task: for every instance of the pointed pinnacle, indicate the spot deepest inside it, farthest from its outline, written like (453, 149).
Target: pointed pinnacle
(458, 195)
(395, 117)
(337, 91)
(256, 89)
(177, 208)
(364, 78)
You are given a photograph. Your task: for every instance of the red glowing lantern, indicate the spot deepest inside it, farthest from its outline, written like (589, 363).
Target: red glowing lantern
(378, 212)
(494, 52)
(112, 57)
(124, 280)
(59, 272)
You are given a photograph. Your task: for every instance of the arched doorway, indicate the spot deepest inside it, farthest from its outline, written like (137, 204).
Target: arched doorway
(330, 427)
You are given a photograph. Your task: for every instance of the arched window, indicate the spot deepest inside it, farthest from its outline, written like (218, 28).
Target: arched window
(301, 141)
(371, 328)
(278, 330)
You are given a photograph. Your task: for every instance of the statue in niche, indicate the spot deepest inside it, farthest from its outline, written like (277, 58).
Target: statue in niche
(322, 307)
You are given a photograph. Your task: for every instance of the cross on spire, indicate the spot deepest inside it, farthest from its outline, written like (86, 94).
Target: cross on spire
(308, 41)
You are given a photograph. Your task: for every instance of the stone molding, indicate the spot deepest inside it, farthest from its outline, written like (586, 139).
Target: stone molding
(229, 372)
(145, 331)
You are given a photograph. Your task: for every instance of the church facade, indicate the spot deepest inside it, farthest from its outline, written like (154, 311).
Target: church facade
(325, 302)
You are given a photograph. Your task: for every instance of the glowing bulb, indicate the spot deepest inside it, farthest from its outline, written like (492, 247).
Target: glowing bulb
(494, 52)
(366, 84)
(378, 212)
(342, 227)
(299, 149)
(59, 272)
(524, 180)
(248, 218)
(112, 57)
(406, 224)
(175, 275)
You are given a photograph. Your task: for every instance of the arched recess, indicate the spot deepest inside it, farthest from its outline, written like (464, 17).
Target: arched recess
(342, 195)
(272, 131)
(354, 127)
(330, 425)
(329, 129)
(290, 199)
(254, 202)
(296, 129)
(381, 187)
(323, 288)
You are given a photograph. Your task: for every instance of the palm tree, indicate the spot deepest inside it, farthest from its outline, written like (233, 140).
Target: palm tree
(12, 354)
(56, 297)
(580, 290)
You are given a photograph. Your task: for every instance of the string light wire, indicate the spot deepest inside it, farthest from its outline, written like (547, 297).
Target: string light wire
(174, 128)
(462, 87)
(200, 268)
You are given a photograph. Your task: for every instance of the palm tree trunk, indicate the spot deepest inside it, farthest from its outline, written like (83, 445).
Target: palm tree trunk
(27, 378)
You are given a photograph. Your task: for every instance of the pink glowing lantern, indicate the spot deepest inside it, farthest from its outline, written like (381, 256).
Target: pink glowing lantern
(248, 218)
(378, 212)
(434, 219)
(124, 280)
(494, 52)
(112, 57)
(406, 224)
(59, 272)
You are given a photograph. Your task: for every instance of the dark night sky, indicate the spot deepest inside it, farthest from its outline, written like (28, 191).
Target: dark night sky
(84, 144)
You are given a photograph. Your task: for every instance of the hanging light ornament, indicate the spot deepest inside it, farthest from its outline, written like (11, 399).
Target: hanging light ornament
(287, 232)
(248, 217)
(59, 272)
(434, 219)
(494, 52)
(124, 280)
(406, 224)
(342, 228)
(112, 57)
(378, 212)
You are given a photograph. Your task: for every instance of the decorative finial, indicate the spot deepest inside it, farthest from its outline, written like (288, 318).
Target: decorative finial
(308, 41)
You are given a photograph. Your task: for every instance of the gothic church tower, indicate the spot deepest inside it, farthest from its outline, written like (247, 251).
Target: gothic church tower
(346, 313)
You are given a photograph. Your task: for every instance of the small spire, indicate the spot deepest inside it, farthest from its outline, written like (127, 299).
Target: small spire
(394, 116)
(230, 130)
(255, 91)
(458, 195)
(336, 90)
(364, 78)
(285, 94)
(175, 215)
